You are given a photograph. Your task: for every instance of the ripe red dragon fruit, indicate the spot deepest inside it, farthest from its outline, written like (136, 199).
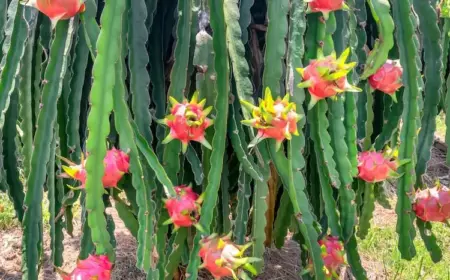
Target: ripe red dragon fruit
(433, 205)
(94, 267)
(116, 165)
(58, 9)
(276, 119)
(223, 258)
(326, 6)
(327, 76)
(375, 167)
(188, 121)
(332, 255)
(184, 209)
(388, 78)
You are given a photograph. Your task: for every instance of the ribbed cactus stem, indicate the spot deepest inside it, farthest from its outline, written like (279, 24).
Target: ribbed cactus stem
(220, 123)
(178, 78)
(408, 134)
(101, 97)
(41, 153)
(433, 85)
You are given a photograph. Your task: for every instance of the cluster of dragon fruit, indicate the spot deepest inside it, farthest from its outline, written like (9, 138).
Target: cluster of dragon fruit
(324, 77)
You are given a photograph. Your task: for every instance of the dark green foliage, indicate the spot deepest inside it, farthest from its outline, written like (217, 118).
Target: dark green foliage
(55, 192)
(220, 125)
(41, 153)
(115, 67)
(432, 91)
(11, 166)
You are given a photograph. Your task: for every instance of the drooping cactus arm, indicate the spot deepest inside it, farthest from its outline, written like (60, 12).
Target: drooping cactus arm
(108, 52)
(433, 64)
(408, 134)
(293, 179)
(138, 60)
(377, 57)
(41, 153)
(433, 54)
(15, 42)
(143, 185)
(178, 76)
(55, 193)
(220, 125)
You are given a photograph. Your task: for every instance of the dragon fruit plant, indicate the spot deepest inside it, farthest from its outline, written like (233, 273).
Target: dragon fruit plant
(94, 267)
(388, 78)
(274, 119)
(223, 258)
(116, 165)
(184, 208)
(58, 10)
(188, 121)
(375, 167)
(326, 6)
(196, 121)
(333, 256)
(326, 76)
(433, 204)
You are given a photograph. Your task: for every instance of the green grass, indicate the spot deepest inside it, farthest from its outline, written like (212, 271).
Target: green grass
(440, 126)
(7, 215)
(380, 249)
(8, 218)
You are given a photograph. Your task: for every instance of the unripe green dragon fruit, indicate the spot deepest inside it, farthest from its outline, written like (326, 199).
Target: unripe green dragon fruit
(327, 76)
(223, 258)
(188, 121)
(433, 205)
(275, 119)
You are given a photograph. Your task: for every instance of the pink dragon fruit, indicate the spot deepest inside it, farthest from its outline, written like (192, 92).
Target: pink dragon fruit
(276, 119)
(116, 165)
(184, 209)
(58, 9)
(326, 6)
(388, 78)
(332, 255)
(433, 205)
(188, 121)
(223, 258)
(92, 268)
(375, 167)
(327, 76)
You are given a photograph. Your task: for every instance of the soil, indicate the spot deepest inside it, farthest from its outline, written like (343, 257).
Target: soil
(280, 264)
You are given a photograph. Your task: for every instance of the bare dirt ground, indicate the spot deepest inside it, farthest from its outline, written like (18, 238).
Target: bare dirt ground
(279, 264)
